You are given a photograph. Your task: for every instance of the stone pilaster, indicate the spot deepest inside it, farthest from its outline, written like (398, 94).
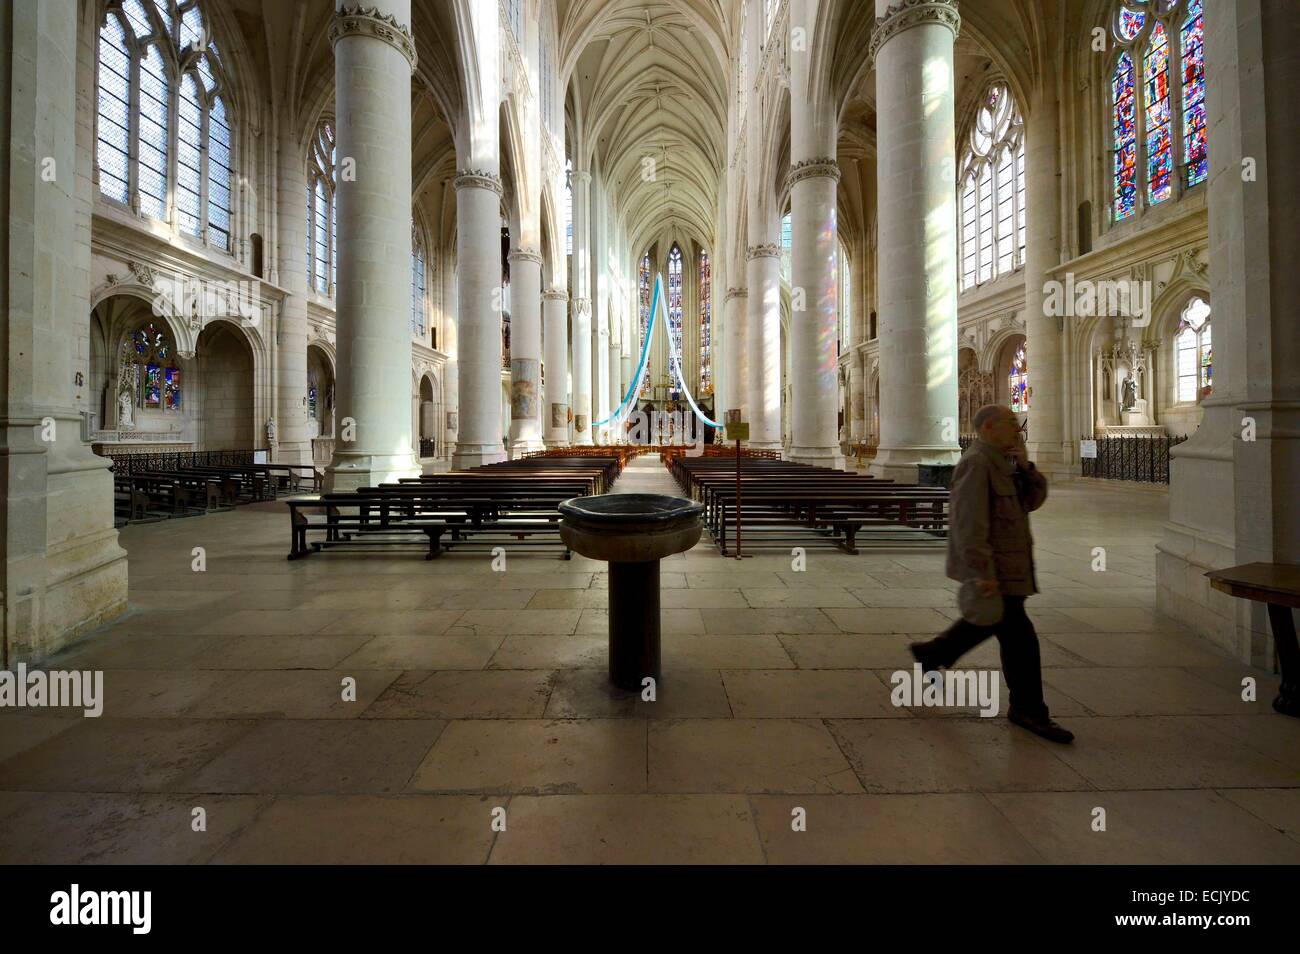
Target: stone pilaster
(764, 331)
(582, 358)
(912, 47)
(555, 412)
(373, 59)
(525, 352)
(293, 444)
(1232, 484)
(62, 572)
(1050, 449)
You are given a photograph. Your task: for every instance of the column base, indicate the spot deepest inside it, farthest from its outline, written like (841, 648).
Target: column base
(555, 443)
(291, 452)
(525, 446)
(476, 455)
(817, 456)
(764, 445)
(348, 471)
(1053, 459)
(899, 463)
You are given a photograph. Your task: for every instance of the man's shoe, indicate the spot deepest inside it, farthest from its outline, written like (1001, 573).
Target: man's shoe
(924, 654)
(1044, 727)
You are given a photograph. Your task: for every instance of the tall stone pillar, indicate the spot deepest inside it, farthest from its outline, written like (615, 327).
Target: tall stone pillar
(525, 352)
(814, 274)
(764, 331)
(916, 157)
(582, 404)
(293, 443)
(1232, 484)
(556, 411)
(814, 328)
(1050, 449)
(450, 345)
(478, 236)
(735, 379)
(62, 572)
(374, 55)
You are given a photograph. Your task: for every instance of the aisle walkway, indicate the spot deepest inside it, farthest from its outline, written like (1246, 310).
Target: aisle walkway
(478, 689)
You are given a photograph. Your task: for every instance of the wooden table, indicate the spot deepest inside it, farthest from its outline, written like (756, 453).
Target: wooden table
(1278, 585)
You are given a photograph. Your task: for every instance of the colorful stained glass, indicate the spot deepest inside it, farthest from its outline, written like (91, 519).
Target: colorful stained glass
(1195, 144)
(172, 389)
(643, 279)
(706, 325)
(1018, 382)
(1160, 153)
(675, 298)
(152, 386)
(1125, 130)
(1130, 23)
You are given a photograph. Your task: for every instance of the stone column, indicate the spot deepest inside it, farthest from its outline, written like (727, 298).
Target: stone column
(764, 331)
(292, 440)
(556, 411)
(374, 55)
(735, 379)
(450, 345)
(62, 572)
(916, 158)
(478, 235)
(814, 313)
(1048, 446)
(582, 405)
(525, 352)
(1232, 484)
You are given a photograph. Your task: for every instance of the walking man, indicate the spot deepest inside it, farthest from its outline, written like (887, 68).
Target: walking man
(990, 551)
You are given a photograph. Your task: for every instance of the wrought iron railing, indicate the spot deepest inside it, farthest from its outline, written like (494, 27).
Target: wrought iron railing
(426, 447)
(1144, 459)
(136, 463)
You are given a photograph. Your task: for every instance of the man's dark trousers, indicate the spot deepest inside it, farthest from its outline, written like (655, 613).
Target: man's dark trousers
(1021, 665)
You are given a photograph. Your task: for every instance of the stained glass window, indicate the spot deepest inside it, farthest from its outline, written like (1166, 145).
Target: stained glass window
(706, 325)
(991, 194)
(1170, 103)
(1018, 382)
(157, 54)
(675, 298)
(417, 285)
(157, 377)
(321, 269)
(1125, 138)
(1195, 146)
(787, 249)
(1193, 356)
(219, 175)
(1160, 161)
(113, 149)
(644, 283)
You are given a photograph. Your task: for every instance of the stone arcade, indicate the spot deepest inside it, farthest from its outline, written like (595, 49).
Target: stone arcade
(403, 253)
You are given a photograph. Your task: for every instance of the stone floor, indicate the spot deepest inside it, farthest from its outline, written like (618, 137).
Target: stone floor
(479, 690)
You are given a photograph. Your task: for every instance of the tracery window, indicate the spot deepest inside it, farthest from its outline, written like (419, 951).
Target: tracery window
(991, 198)
(706, 325)
(156, 63)
(322, 268)
(149, 376)
(1193, 356)
(675, 298)
(1170, 102)
(643, 285)
(1018, 382)
(417, 284)
(515, 15)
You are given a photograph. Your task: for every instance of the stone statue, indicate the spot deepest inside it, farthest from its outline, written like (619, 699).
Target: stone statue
(1128, 391)
(270, 430)
(124, 409)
